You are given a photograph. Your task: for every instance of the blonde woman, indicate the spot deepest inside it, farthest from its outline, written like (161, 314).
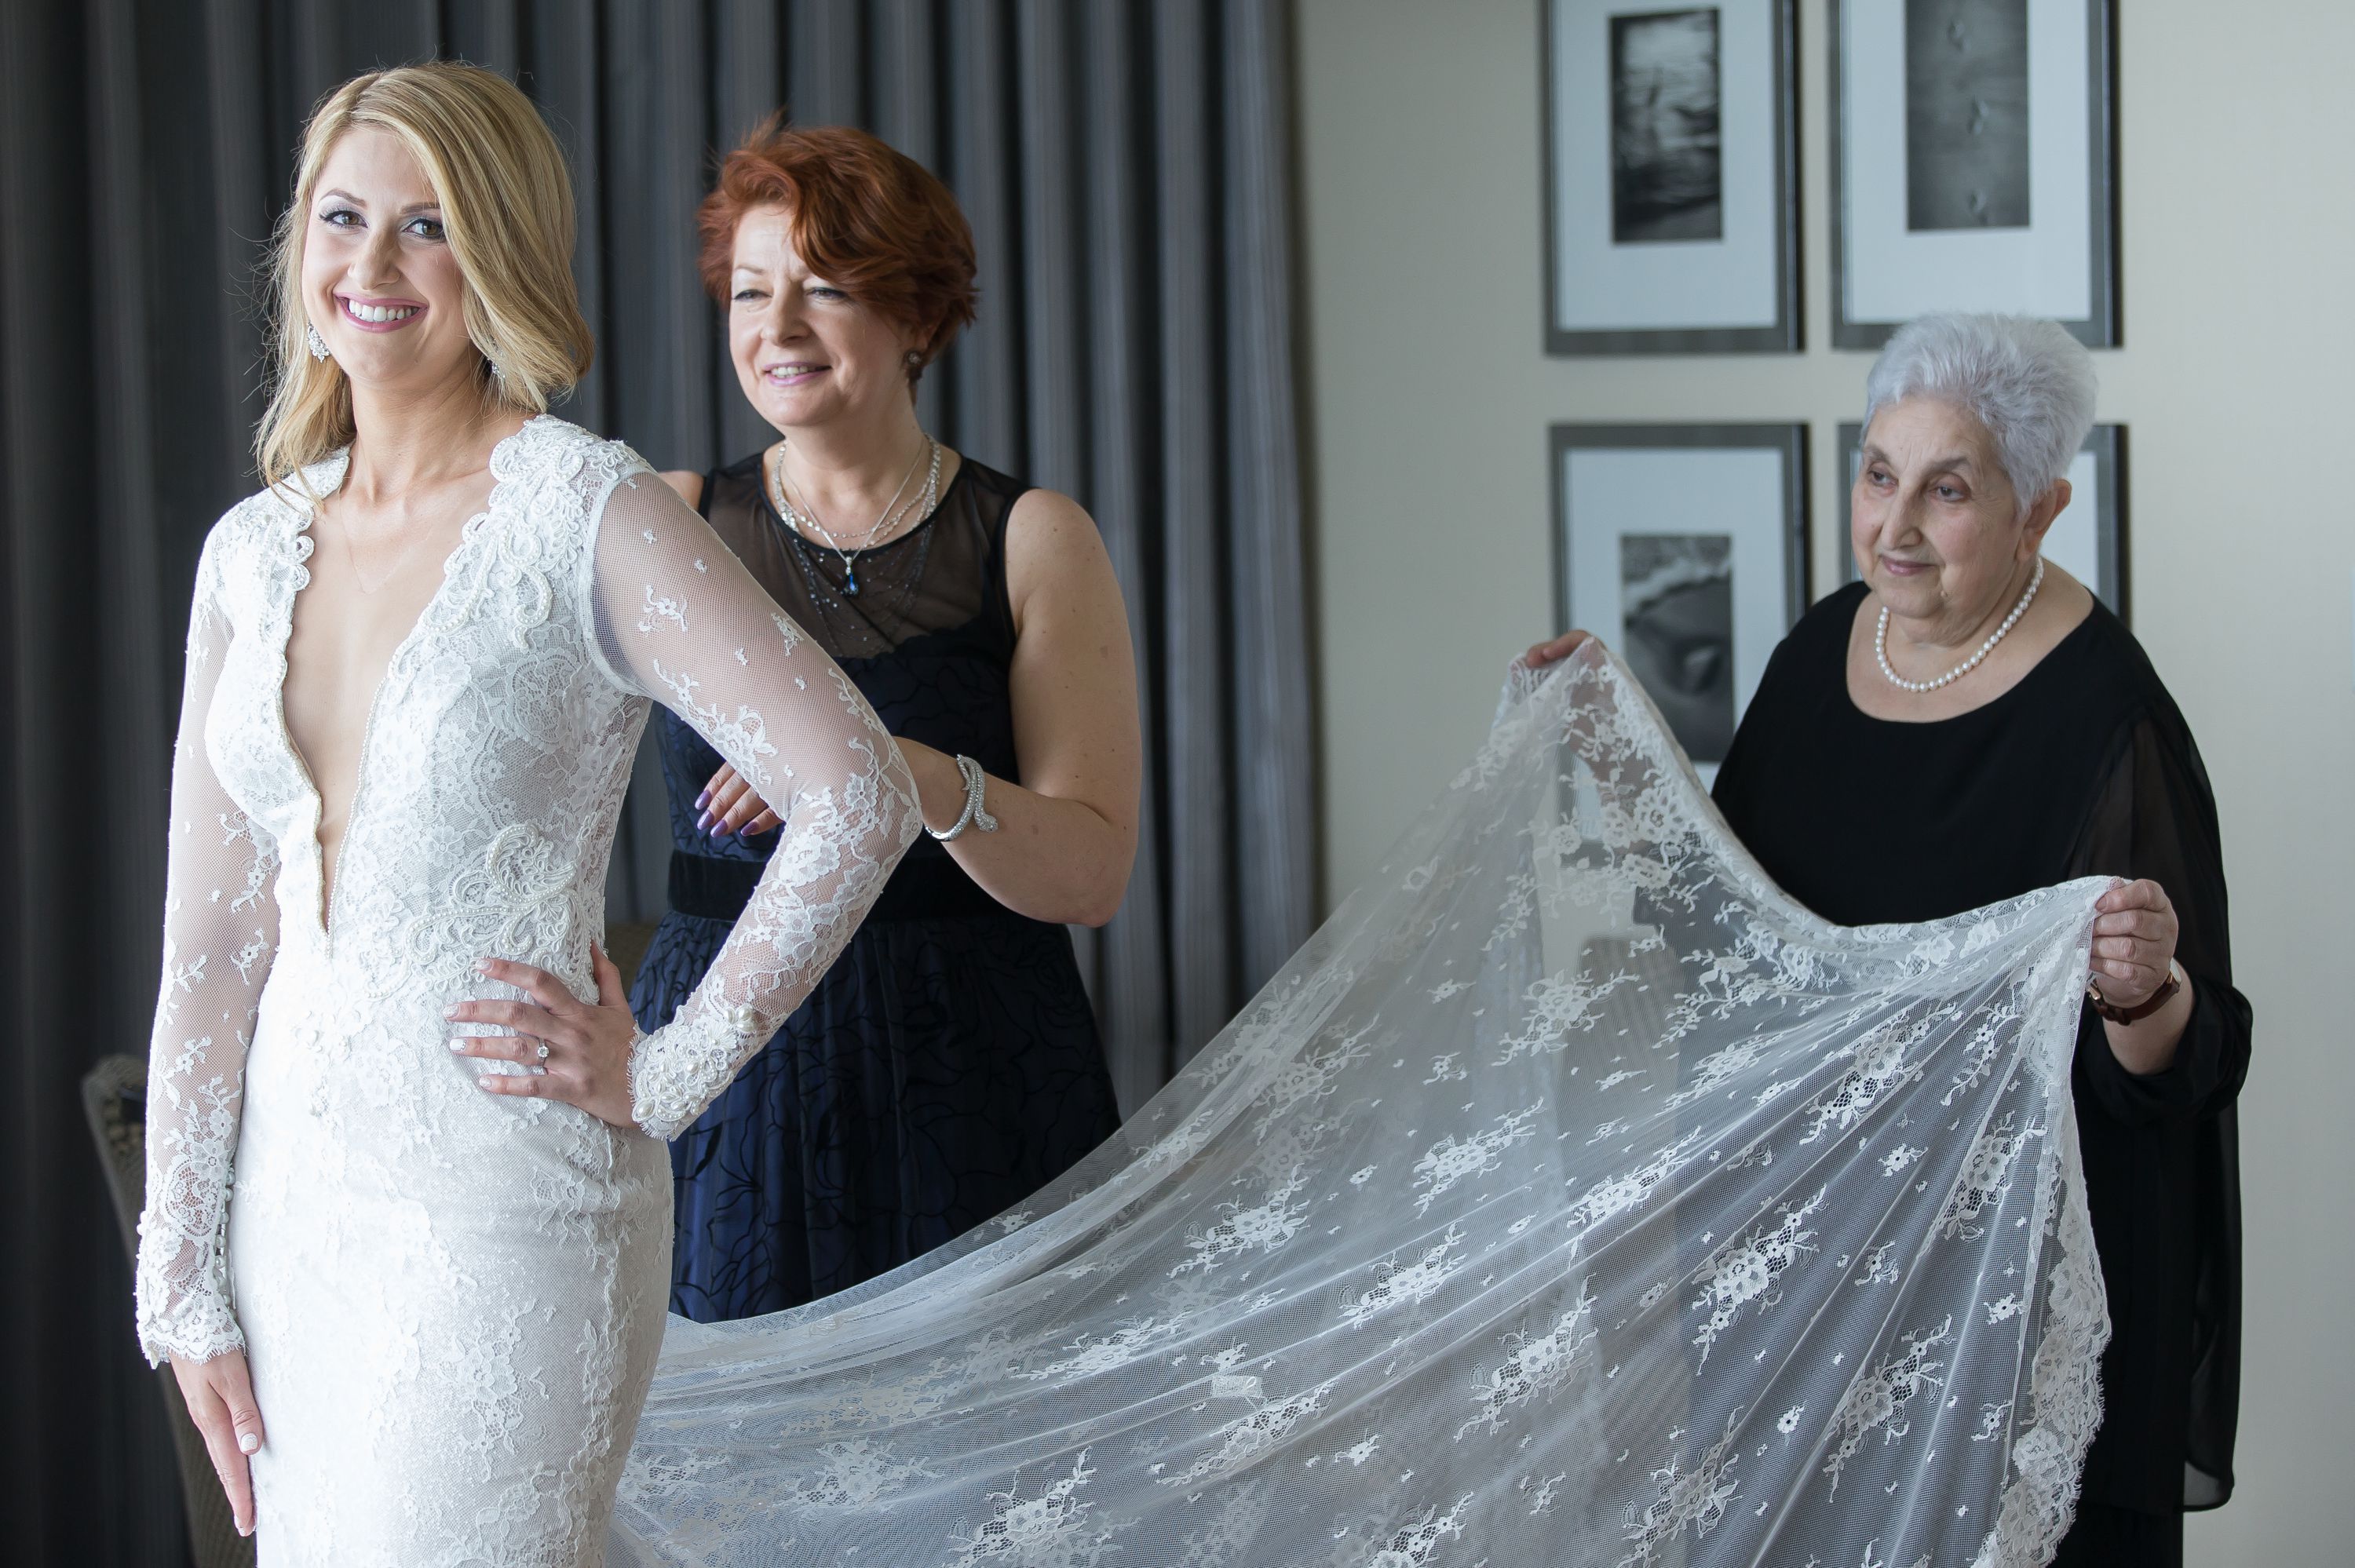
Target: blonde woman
(418, 662)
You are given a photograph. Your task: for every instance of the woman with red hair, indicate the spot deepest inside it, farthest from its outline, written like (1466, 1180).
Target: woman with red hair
(948, 1065)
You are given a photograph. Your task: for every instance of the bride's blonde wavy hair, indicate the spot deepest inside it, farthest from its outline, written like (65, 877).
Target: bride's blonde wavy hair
(506, 206)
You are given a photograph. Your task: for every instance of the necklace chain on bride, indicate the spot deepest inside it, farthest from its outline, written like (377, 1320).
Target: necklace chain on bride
(804, 520)
(360, 575)
(1880, 640)
(400, 558)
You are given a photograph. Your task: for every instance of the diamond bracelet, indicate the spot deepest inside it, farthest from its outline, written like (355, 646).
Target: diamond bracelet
(975, 780)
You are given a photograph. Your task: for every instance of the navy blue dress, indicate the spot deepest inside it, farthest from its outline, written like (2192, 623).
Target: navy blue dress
(948, 1066)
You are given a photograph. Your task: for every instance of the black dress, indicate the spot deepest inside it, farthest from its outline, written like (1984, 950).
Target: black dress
(2084, 768)
(948, 1066)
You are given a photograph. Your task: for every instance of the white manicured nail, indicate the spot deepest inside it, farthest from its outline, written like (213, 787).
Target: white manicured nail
(247, 1443)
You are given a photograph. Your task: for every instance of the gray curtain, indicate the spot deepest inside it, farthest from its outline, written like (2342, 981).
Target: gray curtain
(1127, 169)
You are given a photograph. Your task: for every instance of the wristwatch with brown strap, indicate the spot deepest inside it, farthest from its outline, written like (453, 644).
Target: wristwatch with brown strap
(2148, 1005)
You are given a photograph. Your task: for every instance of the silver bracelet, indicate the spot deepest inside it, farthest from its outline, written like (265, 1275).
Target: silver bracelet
(973, 816)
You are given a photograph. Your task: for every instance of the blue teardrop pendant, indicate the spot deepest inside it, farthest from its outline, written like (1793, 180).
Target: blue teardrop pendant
(850, 584)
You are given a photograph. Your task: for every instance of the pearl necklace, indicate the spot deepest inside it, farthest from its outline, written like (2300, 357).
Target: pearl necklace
(892, 512)
(1880, 640)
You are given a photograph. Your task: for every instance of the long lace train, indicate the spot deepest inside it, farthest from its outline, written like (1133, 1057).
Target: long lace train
(1573, 1196)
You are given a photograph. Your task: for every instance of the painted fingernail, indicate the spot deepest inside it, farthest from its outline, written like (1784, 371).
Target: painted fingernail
(703, 800)
(247, 1443)
(457, 1043)
(703, 823)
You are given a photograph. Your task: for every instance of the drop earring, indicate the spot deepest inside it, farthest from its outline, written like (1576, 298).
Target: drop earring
(318, 344)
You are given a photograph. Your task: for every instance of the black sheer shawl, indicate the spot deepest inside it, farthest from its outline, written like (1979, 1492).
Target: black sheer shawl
(2154, 816)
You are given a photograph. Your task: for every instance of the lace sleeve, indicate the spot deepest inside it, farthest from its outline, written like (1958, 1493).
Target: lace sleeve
(220, 930)
(680, 620)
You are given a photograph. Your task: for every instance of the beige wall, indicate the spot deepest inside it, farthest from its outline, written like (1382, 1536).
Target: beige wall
(1431, 395)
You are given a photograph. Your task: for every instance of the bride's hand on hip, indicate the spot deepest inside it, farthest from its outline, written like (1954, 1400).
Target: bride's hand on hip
(219, 1397)
(581, 1048)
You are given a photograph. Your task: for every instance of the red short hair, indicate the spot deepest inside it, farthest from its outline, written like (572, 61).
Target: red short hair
(863, 216)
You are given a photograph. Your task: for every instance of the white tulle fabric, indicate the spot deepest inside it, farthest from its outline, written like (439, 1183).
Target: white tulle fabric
(451, 1300)
(1572, 1197)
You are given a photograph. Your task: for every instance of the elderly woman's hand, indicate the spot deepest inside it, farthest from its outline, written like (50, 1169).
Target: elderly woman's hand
(2134, 942)
(1542, 654)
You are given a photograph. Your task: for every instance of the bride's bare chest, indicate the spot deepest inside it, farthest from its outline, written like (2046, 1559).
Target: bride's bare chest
(466, 668)
(344, 633)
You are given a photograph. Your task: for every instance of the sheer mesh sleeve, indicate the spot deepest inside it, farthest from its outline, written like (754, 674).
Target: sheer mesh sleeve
(2155, 817)
(220, 930)
(679, 620)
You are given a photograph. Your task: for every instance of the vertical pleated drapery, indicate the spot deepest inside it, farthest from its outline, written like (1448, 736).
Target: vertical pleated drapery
(1128, 170)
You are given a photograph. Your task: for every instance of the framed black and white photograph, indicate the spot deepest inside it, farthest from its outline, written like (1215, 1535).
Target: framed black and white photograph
(1685, 548)
(2088, 540)
(1974, 163)
(1671, 181)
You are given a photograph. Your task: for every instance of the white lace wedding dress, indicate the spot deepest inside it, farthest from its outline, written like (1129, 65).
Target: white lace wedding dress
(452, 1301)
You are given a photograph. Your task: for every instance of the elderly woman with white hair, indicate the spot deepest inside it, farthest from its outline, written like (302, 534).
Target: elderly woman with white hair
(1968, 723)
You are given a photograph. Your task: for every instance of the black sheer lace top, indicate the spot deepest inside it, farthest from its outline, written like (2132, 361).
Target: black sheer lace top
(929, 638)
(2084, 768)
(938, 577)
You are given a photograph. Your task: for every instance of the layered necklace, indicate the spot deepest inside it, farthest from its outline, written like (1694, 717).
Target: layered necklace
(1880, 640)
(805, 520)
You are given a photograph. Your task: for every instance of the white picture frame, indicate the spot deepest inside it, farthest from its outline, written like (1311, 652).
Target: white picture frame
(1973, 164)
(1670, 176)
(1685, 548)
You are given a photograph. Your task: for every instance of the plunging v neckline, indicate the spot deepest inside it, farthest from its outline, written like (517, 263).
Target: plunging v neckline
(468, 531)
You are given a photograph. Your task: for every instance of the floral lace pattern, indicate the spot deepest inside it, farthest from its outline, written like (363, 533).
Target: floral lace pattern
(1571, 1196)
(452, 1301)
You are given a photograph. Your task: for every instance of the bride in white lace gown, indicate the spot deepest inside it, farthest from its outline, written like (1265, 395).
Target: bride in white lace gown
(443, 1262)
